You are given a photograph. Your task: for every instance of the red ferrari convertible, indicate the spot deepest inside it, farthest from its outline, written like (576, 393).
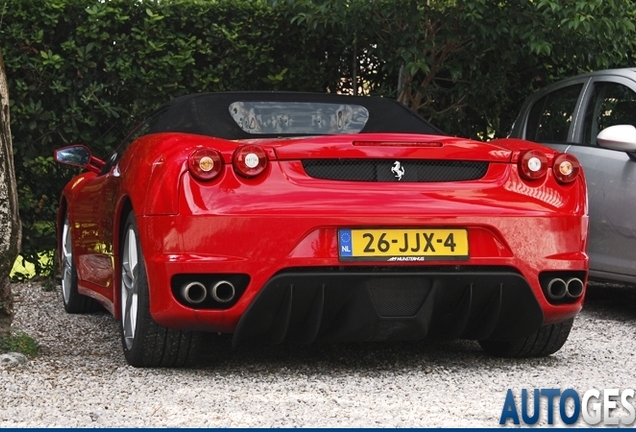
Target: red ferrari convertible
(297, 217)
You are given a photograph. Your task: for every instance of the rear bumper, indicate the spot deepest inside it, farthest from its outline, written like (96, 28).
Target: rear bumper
(299, 289)
(267, 229)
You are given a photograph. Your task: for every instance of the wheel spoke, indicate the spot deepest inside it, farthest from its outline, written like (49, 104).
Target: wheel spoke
(127, 275)
(130, 318)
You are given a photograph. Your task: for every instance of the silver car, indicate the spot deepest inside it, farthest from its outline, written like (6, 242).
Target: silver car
(593, 117)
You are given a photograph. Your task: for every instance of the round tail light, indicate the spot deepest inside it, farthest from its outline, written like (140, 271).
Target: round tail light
(205, 164)
(566, 167)
(249, 161)
(533, 165)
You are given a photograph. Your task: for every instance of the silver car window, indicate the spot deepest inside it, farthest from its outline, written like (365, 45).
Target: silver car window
(551, 116)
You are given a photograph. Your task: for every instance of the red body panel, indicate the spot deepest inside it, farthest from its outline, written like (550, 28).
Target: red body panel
(285, 219)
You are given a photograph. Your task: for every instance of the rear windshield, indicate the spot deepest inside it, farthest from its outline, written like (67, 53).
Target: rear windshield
(298, 118)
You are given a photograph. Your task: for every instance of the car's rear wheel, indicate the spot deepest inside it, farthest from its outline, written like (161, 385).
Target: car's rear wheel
(74, 302)
(146, 343)
(545, 341)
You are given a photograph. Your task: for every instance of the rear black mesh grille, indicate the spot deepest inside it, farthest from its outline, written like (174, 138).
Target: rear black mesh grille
(389, 170)
(398, 297)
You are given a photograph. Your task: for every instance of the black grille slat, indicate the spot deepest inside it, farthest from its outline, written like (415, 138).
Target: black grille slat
(384, 170)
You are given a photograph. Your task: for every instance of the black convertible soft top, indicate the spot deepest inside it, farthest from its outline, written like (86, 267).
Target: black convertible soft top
(240, 115)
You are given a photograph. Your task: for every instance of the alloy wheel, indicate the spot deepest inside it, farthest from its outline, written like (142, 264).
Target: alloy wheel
(67, 261)
(129, 287)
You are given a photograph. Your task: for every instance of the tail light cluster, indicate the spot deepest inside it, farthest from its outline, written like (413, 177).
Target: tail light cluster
(248, 161)
(205, 164)
(533, 165)
(566, 167)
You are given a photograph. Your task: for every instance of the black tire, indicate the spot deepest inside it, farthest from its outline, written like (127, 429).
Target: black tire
(146, 343)
(545, 341)
(74, 302)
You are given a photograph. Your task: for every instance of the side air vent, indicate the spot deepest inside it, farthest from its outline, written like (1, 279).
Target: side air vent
(389, 170)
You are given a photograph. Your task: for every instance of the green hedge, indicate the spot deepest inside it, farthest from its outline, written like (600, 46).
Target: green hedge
(87, 71)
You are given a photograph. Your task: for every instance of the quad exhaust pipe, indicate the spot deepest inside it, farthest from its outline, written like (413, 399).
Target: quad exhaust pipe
(575, 287)
(196, 292)
(558, 288)
(223, 291)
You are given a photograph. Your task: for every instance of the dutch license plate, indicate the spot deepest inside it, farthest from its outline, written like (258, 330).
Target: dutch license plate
(403, 244)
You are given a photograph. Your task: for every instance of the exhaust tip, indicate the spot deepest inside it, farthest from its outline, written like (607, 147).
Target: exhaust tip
(575, 287)
(223, 291)
(557, 288)
(213, 291)
(194, 292)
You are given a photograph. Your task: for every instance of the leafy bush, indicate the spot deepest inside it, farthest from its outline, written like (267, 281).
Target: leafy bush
(88, 71)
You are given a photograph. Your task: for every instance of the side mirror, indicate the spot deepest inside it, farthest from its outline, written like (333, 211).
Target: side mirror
(78, 156)
(619, 137)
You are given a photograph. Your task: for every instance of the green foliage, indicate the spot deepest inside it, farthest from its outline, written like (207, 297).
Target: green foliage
(19, 342)
(468, 64)
(88, 70)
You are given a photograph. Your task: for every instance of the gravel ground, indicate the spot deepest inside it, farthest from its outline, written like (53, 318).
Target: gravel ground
(82, 380)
